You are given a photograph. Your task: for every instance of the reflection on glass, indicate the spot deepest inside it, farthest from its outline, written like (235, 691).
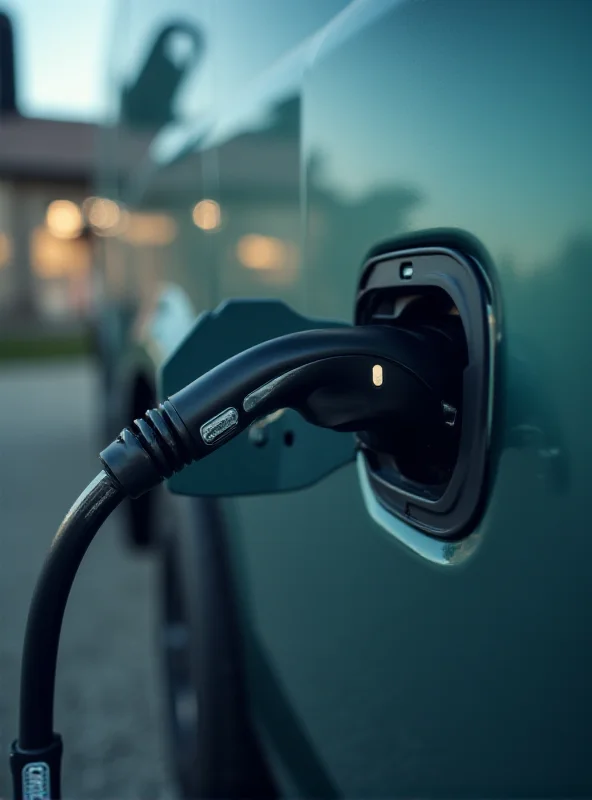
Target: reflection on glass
(149, 229)
(206, 215)
(52, 257)
(64, 219)
(263, 252)
(87, 205)
(104, 215)
(179, 46)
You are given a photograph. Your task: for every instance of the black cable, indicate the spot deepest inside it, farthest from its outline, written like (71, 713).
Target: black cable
(44, 623)
(37, 740)
(353, 379)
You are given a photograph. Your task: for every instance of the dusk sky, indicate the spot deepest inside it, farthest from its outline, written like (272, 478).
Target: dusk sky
(61, 50)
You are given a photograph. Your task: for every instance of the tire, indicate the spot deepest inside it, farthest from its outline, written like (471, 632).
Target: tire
(213, 750)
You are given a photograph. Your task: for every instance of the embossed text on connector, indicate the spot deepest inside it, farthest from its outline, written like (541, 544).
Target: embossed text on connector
(214, 428)
(36, 782)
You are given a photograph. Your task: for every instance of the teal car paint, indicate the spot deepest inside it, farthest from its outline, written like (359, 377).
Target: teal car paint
(380, 662)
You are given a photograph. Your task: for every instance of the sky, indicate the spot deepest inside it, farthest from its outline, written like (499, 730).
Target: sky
(61, 50)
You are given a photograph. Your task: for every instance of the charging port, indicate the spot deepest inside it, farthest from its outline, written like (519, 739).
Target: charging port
(433, 474)
(426, 456)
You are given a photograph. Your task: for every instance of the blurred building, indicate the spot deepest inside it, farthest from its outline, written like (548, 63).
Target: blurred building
(45, 175)
(45, 172)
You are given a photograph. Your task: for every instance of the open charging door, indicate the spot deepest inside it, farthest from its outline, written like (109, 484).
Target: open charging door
(279, 453)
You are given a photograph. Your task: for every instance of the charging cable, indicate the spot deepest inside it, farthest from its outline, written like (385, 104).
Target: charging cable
(365, 379)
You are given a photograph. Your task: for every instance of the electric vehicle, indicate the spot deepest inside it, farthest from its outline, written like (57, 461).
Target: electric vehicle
(343, 631)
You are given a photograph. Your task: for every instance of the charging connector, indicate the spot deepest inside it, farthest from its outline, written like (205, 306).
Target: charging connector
(328, 376)
(373, 379)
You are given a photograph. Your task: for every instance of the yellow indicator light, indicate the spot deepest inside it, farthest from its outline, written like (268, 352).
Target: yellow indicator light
(377, 375)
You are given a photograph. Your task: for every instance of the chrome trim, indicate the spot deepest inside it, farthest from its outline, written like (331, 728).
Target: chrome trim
(437, 551)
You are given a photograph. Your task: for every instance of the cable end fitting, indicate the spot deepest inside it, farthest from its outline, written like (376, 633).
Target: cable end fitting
(148, 451)
(36, 773)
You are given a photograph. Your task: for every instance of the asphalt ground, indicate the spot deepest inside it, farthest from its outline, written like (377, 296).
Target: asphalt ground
(108, 691)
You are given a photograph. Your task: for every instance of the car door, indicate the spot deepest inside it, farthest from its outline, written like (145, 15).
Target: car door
(395, 675)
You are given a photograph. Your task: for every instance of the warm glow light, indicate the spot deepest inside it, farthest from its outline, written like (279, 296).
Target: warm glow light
(104, 215)
(261, 252)
(5, 249)
(377, 375)
(64, 219)
(54, 257)
(87, 204)
(149, 229)
(206, 215)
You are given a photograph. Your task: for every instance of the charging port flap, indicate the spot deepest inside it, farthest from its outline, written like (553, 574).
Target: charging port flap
(278, 453)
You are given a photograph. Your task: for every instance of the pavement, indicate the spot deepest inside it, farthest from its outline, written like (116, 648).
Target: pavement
(108, 691)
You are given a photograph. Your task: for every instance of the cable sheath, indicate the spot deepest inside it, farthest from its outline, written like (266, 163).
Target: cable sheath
(42, 635)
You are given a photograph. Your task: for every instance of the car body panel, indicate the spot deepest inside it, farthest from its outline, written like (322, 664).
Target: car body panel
(399, 123)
